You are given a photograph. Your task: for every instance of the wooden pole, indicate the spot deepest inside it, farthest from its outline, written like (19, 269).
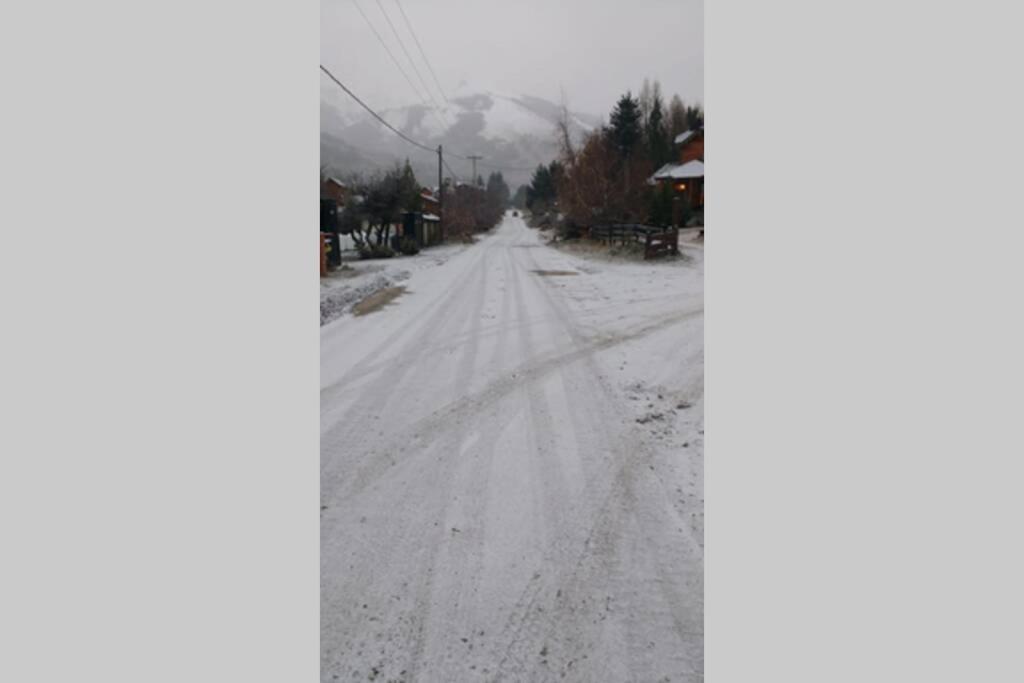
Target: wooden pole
(440, 193)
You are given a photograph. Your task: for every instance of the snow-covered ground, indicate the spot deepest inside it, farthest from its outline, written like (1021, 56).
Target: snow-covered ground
(512, 471)
(345, 287)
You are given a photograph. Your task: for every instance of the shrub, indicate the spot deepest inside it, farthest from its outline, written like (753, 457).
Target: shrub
(368, 251)
(408, 246)
(695, 219)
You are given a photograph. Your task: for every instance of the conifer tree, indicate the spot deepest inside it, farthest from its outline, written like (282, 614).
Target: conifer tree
(625, 131)
(657, 143)
(676, 117)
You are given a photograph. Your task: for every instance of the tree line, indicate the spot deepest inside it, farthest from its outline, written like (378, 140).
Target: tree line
(477, 207)
(378, 202)
(604, 176)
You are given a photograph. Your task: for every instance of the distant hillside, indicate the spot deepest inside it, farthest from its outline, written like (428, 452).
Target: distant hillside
(508, 131)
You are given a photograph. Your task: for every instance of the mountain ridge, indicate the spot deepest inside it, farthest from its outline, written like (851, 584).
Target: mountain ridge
(513, 134)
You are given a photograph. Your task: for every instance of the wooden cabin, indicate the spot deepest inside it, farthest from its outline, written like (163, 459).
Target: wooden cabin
(686, 176)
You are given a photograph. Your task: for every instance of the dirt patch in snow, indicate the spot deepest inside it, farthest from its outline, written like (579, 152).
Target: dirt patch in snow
(335, 302)
(378, 300)
(555, 273)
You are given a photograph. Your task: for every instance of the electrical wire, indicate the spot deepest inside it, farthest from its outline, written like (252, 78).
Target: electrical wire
(375, 114)
(412, 63)
(408, 25)
(409, 139)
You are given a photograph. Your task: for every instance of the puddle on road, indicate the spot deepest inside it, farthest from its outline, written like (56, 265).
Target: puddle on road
(377, 300)
(554, 273)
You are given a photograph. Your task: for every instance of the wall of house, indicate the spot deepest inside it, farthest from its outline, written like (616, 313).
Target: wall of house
(333, 191)
(692, 149)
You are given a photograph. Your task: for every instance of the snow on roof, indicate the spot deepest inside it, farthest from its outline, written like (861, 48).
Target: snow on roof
(335, 181)
(430, 217)
(686, 135)
(691, 169)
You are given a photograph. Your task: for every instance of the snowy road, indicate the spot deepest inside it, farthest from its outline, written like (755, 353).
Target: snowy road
(512, 472)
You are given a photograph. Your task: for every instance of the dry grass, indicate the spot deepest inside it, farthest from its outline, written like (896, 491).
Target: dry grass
(378, 300)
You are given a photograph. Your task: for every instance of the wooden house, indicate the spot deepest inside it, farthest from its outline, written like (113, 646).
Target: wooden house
(334, 189)
(685, 176)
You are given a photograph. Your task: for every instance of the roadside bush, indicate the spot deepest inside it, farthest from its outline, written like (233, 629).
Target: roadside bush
(408, 246)
(368, 251)
(568, 229)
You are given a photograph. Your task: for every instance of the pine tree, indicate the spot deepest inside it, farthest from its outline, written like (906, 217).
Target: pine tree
(694, 117)
(519, 198)
(541, 189)
(498, 189)
(645, 99)
(657, 143)
(409, 189)
(625, 131)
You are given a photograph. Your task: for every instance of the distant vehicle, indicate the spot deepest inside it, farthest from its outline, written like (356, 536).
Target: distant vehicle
(516, 214)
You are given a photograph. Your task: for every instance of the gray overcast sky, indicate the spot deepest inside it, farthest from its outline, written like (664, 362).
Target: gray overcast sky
(596, 50)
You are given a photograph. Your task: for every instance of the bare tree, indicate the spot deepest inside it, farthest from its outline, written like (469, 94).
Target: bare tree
(676, 117)
(568, 152)
(646, 99)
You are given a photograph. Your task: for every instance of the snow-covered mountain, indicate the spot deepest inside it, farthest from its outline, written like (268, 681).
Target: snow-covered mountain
(515, 133)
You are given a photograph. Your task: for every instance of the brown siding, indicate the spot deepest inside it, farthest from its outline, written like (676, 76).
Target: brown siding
(331, 190)
(692, 149)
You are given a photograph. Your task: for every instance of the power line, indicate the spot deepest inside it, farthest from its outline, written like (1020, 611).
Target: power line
(474, 158)
(395, 60)
(388, 50)
(412, 63)
(408, 25)
(406, 137)
(386, 124)
(375, 114)
(508, 168)
(454, 174)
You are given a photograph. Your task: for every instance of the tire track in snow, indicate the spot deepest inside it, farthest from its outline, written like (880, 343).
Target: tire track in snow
(594, 560)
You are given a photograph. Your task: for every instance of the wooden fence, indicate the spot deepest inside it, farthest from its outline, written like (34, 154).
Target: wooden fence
(657, 240)
(661, 244)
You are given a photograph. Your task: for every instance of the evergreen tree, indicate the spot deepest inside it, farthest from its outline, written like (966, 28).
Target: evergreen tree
(659, 210)
(657, 142)
(625, 131)
(409, 189)
(542, 190)
(676, 118)
(645, 99)
(498, 189)
(694, 117)
(519, 198)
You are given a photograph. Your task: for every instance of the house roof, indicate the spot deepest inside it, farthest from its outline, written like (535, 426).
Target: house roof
(691, 169)
(686, 135)
(430, 217)
(335, 181)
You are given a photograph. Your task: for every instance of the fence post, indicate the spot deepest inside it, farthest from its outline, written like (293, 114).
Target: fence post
(323, 257)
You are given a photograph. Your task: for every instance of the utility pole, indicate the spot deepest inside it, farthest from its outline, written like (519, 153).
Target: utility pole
(474, 159)
(440, 191)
